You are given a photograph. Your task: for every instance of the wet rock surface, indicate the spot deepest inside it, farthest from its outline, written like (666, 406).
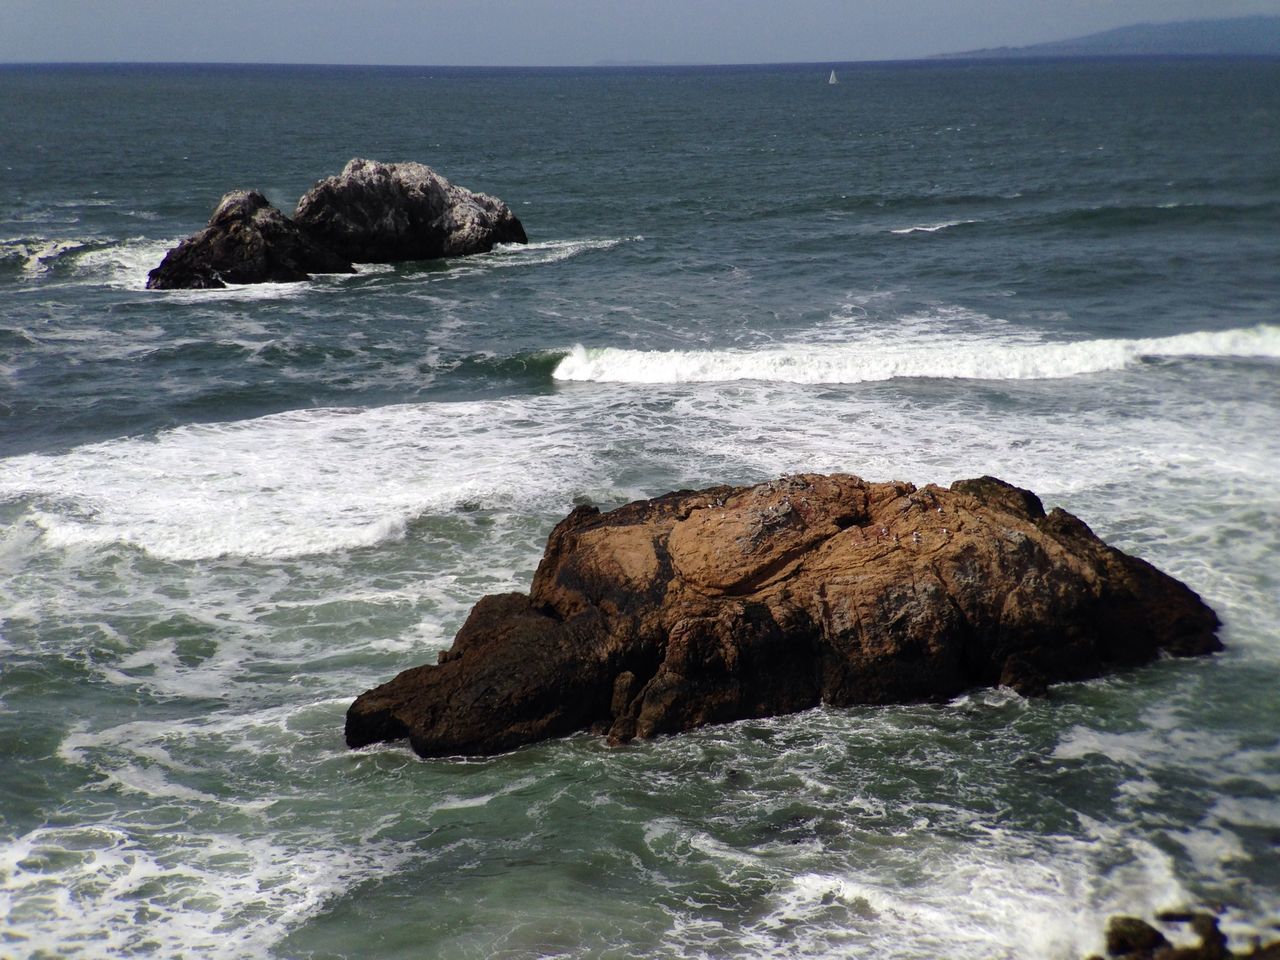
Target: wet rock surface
(247, 240)
(736, 602)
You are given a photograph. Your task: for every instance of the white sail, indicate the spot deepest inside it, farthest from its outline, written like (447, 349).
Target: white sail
(832, 79)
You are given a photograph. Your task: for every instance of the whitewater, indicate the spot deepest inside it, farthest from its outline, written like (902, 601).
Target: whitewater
(891, 357)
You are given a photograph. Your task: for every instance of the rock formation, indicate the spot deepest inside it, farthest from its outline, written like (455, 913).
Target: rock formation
(1131, 938)
(247, 241)
(729, 603)
(387, 212)
(370, 213)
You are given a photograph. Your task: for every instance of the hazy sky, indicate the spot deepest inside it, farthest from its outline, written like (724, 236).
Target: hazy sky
(527, 32)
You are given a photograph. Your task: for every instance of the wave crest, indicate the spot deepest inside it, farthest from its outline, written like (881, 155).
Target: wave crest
(885, 360)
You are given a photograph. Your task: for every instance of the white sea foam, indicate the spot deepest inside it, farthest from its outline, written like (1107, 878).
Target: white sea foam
(884, 358)
(1166, 739)
(40, 255)
(327, 480)
(965, 870)
(298, 483)
(551, 251)
(531, 254)
(932, 227)
(164, 867)
(99, 891)
(996, 894)
(123, 264)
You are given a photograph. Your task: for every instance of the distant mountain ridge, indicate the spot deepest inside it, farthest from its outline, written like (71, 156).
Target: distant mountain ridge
(1257, 36)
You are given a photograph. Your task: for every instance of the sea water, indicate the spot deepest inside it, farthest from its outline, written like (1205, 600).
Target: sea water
(224, 514)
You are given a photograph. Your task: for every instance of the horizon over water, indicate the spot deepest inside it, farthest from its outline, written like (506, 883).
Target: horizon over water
(224, 514)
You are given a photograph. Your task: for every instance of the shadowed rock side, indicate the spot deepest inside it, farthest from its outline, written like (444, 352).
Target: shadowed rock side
(247, 241)
(1130, 938)
(387, 212)
(728, 603)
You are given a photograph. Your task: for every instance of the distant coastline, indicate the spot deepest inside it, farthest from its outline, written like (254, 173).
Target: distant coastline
(1248, 37)
(434, 71)
(1255, 36)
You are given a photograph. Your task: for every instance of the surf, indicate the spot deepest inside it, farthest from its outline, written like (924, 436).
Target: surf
(882, 358)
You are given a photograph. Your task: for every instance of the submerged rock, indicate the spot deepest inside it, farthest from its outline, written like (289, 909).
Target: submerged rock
(247, 241)
(730, 603)
(387, 212)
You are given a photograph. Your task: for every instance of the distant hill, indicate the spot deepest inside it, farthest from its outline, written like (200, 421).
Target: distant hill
(1239, 36)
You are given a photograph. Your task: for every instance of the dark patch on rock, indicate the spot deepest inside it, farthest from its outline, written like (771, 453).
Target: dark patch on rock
(247, 241)
(1131, 938)
(731, 603)
(1127, 935)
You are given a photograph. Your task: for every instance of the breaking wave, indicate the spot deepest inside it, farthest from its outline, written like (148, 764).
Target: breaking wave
(932, 227)
(883, 359)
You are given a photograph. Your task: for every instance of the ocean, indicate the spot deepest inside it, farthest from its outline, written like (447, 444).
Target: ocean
(224, 514)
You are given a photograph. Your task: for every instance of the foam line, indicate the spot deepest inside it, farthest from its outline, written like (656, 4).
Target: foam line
(325, 480)
(932, 227)
(883, 359)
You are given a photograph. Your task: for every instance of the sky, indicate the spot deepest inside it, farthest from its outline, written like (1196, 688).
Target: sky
(559, 32)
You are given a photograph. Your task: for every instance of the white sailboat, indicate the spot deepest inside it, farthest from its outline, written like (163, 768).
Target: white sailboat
(831, 80)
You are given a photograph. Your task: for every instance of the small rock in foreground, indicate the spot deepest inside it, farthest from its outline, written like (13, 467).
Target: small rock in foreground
(739, 602)
(1131, 938)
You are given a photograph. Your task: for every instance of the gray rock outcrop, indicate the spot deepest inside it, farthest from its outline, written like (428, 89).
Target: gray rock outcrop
(389, 212)
(370, 213)
(247, 240)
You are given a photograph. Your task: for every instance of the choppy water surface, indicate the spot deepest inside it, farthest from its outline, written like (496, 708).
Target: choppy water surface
(224, 514)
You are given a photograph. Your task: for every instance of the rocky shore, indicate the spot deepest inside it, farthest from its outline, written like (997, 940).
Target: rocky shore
(370, 213)
(1131, 938)
(734, 602)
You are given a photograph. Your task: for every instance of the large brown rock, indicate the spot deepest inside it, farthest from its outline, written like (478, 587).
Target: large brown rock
(728, 603)
(247, 240)
(387, 212)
